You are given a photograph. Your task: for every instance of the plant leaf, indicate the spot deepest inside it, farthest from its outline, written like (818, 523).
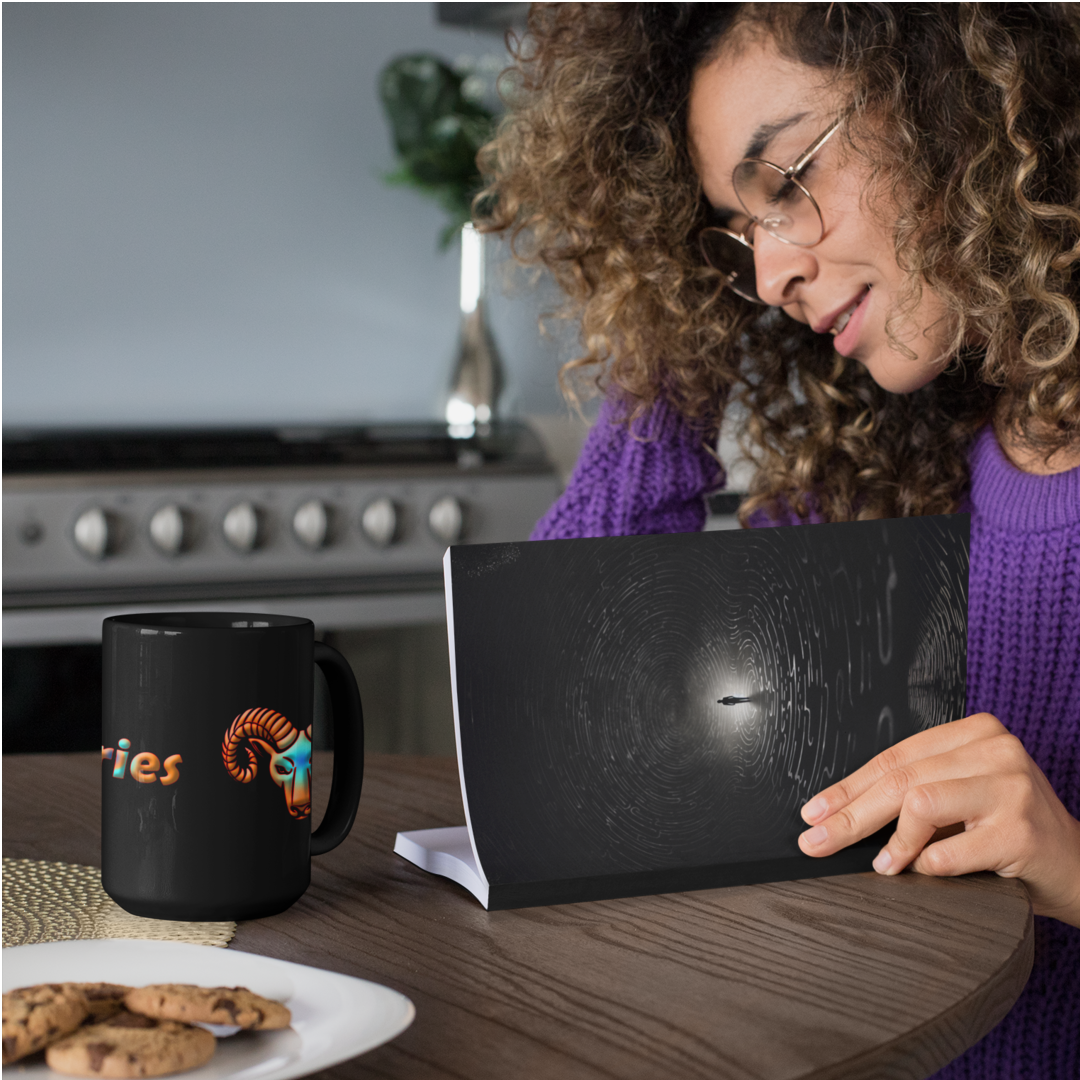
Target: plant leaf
(437, 132)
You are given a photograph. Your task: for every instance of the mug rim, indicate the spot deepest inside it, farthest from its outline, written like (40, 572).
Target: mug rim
(210, 620)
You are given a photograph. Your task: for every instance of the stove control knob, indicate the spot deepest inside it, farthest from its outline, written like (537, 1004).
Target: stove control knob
(31, 532)
(446, 519)
(168, 530)
(311, 523)
(92, 533)
(241, 526)
(379, 521)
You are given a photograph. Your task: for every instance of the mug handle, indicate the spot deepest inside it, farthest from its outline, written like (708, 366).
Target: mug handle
(348, 750)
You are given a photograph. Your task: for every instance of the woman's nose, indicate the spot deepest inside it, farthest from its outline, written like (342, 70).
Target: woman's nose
(781, 269)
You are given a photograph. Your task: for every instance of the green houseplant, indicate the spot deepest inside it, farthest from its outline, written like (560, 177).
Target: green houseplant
(437, 127)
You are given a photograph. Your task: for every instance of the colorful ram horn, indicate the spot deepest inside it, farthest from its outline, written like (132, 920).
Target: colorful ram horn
(289, 750)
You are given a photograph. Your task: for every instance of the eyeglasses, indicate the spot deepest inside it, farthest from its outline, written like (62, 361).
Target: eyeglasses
(776, 201)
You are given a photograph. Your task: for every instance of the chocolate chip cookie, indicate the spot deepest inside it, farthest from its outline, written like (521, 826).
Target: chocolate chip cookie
(236, 1006)
(35, 1015)
(130, 1045)
(103, 999)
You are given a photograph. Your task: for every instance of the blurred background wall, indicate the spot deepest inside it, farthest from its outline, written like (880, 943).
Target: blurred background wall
(196, 229)
(197, 232)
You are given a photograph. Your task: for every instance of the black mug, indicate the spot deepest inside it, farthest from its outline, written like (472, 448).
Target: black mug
(206, 762)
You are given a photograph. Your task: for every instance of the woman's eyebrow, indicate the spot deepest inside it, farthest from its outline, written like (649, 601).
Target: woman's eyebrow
(767, 132)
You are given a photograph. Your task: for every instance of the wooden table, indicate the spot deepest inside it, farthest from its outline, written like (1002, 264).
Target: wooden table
(856, 976)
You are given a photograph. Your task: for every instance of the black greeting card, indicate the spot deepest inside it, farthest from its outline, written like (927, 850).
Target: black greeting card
(648, 714)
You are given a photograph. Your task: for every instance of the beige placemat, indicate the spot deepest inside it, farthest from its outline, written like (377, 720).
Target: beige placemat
(55, 901)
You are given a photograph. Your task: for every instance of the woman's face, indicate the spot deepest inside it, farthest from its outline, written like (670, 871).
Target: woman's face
(751, 95)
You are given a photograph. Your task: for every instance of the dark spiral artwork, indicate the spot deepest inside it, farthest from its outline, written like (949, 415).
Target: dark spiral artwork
(638, 704)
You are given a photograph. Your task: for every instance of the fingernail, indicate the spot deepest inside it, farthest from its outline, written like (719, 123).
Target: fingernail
(814, 809)
(883, 861)
(817, 835)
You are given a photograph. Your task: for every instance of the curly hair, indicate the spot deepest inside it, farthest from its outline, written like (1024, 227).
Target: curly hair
(971, 115)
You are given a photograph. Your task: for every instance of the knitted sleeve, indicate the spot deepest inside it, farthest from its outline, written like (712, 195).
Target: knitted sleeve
(648, 477)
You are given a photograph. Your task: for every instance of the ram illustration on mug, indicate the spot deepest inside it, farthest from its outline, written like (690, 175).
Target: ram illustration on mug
(289, 749)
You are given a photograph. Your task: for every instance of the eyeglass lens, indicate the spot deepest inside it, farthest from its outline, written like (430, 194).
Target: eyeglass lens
(732, 257)
(781, 206)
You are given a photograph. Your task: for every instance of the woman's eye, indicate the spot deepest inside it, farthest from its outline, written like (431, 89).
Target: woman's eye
(786, 192)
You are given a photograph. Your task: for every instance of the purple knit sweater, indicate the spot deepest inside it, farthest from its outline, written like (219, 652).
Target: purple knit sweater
(1023, 654)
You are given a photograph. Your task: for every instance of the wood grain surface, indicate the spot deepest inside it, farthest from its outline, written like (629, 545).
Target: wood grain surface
(855, 976)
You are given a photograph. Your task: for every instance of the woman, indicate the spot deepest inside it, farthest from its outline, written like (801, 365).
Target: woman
(859, 224)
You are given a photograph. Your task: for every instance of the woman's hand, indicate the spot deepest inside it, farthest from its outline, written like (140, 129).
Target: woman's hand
(972, 775)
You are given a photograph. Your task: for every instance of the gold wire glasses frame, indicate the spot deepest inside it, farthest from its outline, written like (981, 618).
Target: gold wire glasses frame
(776, 201)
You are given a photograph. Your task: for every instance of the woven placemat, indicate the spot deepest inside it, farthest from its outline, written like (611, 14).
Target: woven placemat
(55, 901)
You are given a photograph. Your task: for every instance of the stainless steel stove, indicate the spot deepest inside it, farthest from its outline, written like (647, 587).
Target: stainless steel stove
(345, 526)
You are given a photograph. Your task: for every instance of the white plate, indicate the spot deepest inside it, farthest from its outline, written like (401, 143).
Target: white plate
(334, 1017)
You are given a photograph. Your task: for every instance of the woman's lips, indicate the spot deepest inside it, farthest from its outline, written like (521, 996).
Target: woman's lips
(844, 342)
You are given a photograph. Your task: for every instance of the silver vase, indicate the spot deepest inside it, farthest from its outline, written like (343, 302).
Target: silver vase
(477, 379)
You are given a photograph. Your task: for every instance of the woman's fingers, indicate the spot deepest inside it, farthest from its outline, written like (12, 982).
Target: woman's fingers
(965, 853)
(926, 809)
(926, 744)
(889, 795)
